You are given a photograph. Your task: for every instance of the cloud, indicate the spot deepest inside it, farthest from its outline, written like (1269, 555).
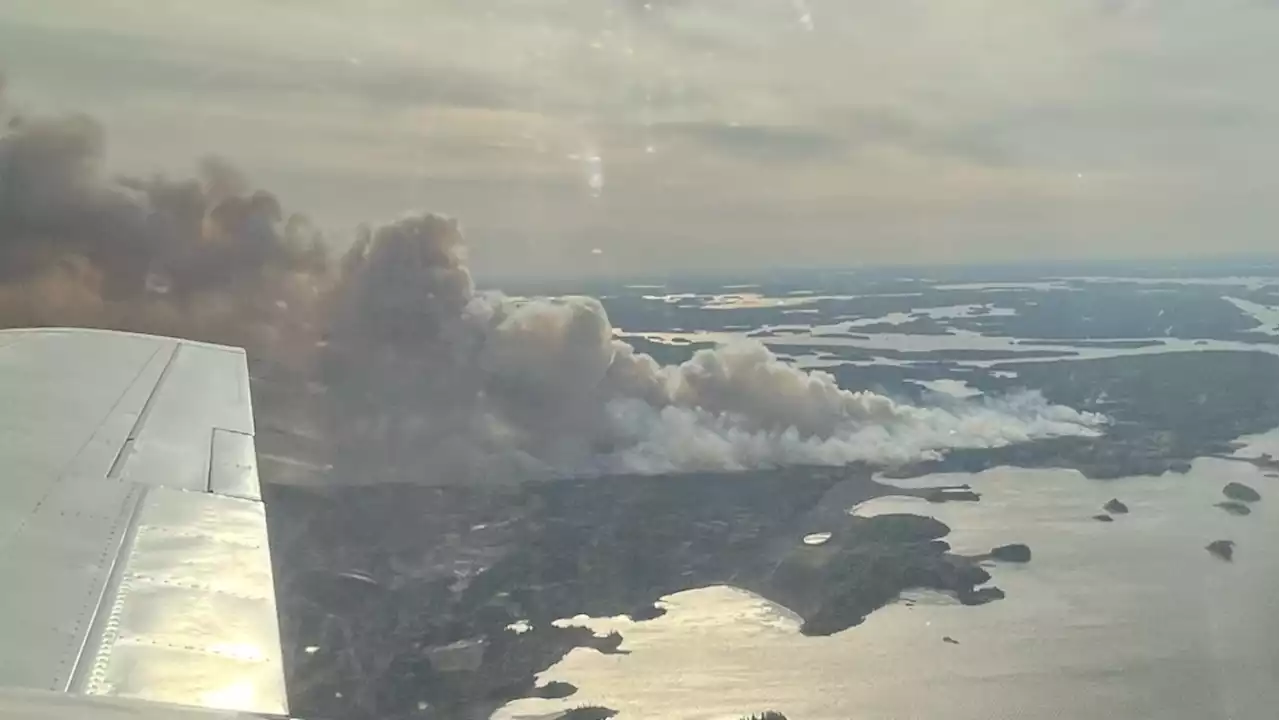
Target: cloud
(757, 141)
(889, 127)
(93, 62)
(1166, 106)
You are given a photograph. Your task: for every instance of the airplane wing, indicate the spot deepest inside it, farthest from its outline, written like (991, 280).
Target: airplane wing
(134, 563)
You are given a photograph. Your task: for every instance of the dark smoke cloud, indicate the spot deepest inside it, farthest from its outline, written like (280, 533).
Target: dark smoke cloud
(429, 378)
(203, 257)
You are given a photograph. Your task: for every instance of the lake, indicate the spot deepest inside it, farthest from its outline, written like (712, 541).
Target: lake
(1131, 618)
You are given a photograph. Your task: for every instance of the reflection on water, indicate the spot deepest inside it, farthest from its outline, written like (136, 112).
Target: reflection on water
(947, 386)
(850, 333)
(811, 361)
(745, 301)
(1249, 282)
(1130, 619)
(1253, 445)
(1268, 317)
(1028, 285)
(827, 336)
(942, 312)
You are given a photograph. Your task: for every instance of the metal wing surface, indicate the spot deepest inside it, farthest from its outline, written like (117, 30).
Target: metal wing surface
(134, 563)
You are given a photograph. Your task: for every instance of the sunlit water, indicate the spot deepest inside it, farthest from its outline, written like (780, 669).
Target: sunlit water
(948, 387)
(822, 336)
(1268, 317)
(791, 337)
(1128, 619)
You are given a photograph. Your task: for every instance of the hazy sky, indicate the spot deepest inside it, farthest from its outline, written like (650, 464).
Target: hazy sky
(620, 134)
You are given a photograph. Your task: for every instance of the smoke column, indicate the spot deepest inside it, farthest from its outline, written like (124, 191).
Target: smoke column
(481, 383)
(203, 258)
(426, 375)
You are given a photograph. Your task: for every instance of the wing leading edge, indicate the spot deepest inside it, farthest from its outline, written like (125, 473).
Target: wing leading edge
(133, 538)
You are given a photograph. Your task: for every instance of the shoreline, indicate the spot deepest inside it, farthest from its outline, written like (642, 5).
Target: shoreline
(539, 552)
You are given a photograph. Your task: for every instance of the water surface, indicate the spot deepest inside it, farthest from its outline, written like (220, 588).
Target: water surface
(1131, 619)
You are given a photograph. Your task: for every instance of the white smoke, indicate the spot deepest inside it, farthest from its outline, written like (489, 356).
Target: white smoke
(739, 407)
(674, 438)
(543, 383)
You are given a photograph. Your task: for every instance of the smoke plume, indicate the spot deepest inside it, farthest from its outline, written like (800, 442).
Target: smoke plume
(425, 373)
(480, 383)
(203, 258)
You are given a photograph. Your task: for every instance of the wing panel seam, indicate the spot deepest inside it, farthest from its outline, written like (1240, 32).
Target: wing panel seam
(70, 464)
(103, 625)
(126, 448)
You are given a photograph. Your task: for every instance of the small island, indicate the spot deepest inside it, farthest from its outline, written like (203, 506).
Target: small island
(1223, 549)
(1240, 492)
(1234, 507)
(588, 712)
(1015, 553)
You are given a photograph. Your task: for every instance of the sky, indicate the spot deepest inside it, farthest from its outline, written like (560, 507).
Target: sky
(618, 136)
